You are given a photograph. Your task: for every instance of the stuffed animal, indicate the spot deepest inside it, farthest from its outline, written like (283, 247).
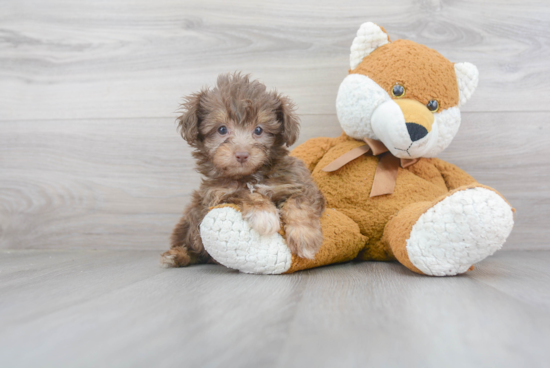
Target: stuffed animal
(388, 197)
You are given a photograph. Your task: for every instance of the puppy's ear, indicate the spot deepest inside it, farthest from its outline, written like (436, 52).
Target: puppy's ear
(291, 123)
(189, 121)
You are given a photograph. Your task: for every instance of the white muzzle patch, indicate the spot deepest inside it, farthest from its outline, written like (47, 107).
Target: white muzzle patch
(366, 110)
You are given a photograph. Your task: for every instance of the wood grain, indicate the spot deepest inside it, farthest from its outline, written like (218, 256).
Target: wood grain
(120, 184)
(84, 308)
(133, 59)
(97, 183)
(89, 156)
(90, 162)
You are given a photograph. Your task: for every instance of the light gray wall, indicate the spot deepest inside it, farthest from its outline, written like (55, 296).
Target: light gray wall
(89, 154)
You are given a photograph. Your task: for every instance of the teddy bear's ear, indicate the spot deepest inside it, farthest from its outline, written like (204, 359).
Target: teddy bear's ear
(467, 78)
(369, 38)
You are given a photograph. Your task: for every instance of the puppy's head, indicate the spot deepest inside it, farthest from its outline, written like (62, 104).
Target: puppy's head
(237, 127)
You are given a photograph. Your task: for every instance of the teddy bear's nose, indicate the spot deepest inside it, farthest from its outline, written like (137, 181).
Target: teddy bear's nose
(416, 131)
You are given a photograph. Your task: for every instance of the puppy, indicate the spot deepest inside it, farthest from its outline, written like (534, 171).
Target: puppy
(240, 133)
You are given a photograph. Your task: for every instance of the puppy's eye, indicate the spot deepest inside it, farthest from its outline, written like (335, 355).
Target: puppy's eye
(398, 90)
(222, 130)
(433, 106)
(258, 131)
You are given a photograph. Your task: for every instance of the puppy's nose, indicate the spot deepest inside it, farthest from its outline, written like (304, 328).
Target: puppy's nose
(241, 156)
(416, 131)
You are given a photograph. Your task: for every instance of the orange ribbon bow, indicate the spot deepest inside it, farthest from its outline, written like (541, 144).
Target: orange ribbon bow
(386, 171)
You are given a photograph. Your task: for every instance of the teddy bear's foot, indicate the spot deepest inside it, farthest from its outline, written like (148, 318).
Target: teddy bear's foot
(230, 240)
(459, 231)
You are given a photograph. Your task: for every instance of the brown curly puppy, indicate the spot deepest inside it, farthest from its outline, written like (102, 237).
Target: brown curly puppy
(240, 133)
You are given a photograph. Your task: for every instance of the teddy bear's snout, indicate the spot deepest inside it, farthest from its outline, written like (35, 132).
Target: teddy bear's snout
(418, 118)
(416, 131)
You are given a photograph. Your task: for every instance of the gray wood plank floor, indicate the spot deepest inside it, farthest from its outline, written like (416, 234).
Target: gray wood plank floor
(78, 308)
(93, 176)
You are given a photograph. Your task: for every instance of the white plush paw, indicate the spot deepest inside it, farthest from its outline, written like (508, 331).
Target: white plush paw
(231, 241)
(264, 222)
(459, 231)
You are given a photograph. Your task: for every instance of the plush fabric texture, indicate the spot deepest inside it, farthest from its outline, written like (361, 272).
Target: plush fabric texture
(369, 37)
(365, 109)
(342, 241)
(231, 242)
(358, 97)
(450, 227)
(348, 190)
(462, 229)
(402, 226)
(424, 72)
(467, 76)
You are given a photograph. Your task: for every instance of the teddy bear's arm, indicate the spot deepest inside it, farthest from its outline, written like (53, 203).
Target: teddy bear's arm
(454, 176)
(313, 150)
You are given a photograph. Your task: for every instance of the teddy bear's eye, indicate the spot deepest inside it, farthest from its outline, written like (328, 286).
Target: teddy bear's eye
(433, 105)
(398, 90)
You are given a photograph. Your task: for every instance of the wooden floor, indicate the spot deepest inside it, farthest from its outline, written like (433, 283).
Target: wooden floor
(120, 309)
(93, 176)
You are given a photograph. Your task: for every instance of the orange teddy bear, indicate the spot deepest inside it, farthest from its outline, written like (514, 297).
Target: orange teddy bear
(388, 197)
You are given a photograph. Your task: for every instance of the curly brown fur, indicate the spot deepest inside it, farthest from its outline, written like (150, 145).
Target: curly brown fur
(240, 133)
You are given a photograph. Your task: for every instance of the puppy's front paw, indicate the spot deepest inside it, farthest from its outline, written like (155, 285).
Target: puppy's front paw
(304, 240)
(265, 222)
